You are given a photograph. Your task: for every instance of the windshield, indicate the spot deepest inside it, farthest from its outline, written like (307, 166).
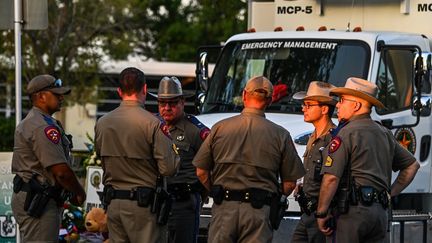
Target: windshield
(289, 64)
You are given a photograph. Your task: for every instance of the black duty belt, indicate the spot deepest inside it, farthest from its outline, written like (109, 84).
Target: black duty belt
(183, 188)
(243, 196)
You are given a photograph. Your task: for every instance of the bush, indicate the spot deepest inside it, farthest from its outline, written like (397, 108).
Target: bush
(7, 131)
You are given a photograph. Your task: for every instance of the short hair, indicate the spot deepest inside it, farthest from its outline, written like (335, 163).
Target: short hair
(331, 109)
(132, 80)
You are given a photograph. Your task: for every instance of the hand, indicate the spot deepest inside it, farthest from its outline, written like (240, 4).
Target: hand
(322, 225)
(296, 189)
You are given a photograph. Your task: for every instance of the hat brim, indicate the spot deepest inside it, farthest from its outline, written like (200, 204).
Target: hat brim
(170, 96)
(347, 91)
(60, 90)
(320, 98)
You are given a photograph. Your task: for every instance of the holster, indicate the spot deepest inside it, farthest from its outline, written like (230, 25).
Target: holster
(258, 197)
(164, 211)
(277, 210)
(37, 197)
(107, 196)
(217, 194)
(342, 201)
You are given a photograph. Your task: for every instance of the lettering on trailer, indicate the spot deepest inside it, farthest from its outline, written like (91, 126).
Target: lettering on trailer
(294, 9)
(424, 7)
(289, 44)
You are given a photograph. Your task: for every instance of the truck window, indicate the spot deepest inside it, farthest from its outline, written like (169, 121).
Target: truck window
(394, 80)
(289, 64)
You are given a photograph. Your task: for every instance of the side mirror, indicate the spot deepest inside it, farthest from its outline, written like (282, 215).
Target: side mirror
(424, 105)
(203, 71)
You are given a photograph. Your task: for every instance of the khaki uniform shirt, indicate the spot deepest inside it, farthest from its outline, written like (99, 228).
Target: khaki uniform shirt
(40, 142)
(248, 151)
(188, 138)
(315, 154)
(370, 149)
(133, 147)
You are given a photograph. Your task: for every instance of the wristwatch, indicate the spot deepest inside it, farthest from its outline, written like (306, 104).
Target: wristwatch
(321, 214)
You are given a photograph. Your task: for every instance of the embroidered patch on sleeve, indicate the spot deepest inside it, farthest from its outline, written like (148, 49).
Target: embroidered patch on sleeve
(329, 161)
(52, 134)
(165, 129)
(335, 144)
(204, 133)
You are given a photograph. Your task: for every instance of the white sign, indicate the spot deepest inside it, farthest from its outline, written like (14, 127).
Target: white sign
(94, 187)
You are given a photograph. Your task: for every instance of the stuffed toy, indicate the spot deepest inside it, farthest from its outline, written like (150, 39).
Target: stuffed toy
(96, 226)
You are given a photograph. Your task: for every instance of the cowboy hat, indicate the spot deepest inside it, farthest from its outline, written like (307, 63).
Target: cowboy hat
(318, 91)
(359, 88)
(170, 88)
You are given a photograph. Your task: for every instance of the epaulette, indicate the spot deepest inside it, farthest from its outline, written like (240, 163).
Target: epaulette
(204, 130)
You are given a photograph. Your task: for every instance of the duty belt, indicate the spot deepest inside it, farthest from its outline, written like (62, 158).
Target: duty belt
(124, 194)
(255, 196)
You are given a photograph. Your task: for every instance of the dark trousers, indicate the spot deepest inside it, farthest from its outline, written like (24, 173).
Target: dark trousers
(307, 231)
(183, 222)
(362, 224)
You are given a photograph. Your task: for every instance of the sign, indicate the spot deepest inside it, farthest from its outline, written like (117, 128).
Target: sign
(93, 187)
(8, 227)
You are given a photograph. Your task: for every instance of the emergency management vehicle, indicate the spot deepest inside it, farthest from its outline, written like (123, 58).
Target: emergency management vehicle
(294, 42)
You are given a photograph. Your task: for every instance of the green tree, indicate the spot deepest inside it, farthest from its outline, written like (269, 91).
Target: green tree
(83, 34)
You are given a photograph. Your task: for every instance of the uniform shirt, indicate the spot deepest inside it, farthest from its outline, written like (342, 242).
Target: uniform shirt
(132, 146)
(248, 151)
(372, 151)
(39, 143)
(313, 154)
(188, 138)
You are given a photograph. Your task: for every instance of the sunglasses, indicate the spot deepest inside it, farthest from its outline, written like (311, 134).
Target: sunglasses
(171, 103)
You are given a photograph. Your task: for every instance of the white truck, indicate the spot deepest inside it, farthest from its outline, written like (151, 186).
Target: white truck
(293, 42)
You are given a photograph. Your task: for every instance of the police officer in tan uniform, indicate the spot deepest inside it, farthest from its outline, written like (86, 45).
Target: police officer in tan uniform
(357, 170)
(41, 161)
(187, 133)
(318, 107)
(134, 148)
(241, 162)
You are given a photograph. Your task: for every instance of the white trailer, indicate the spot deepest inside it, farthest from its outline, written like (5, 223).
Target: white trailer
(296, 42)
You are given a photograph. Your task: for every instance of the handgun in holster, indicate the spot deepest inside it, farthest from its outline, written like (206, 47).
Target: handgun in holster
(161, 205)
(277, 210)
(302, 201)
(37, 198)
(217, 193)
(107, 196)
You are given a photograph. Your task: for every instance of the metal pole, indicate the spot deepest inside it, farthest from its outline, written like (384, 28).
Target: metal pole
(17, 24)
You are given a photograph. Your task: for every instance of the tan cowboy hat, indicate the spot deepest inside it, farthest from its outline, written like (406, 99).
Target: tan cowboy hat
(359, 88)
(170, 88)
(318, 91)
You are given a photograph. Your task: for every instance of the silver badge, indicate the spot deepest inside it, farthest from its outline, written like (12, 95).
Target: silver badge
(180, 138)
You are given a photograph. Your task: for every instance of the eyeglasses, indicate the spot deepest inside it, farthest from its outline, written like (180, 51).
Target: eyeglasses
(171, 103)
(307, 106)
(342, 100)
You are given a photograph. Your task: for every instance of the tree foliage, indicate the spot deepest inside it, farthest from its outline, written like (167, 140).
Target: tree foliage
(83, 34)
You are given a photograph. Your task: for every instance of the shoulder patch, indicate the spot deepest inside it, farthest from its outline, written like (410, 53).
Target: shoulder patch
(335, 143)
(52, 133)
(165, 129)
(204, 130)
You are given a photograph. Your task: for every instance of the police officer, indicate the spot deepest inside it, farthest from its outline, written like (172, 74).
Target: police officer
(41, 161)
(188, 133)
(134, 148)
(241, 162)
(357, 170)
(318, 107)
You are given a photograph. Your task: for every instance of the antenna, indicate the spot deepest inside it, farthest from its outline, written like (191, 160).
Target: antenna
(352, 12)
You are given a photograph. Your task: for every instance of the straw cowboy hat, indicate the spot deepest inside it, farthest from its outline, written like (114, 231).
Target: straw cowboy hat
(170, 88)
(318, 91)
(359, 88)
